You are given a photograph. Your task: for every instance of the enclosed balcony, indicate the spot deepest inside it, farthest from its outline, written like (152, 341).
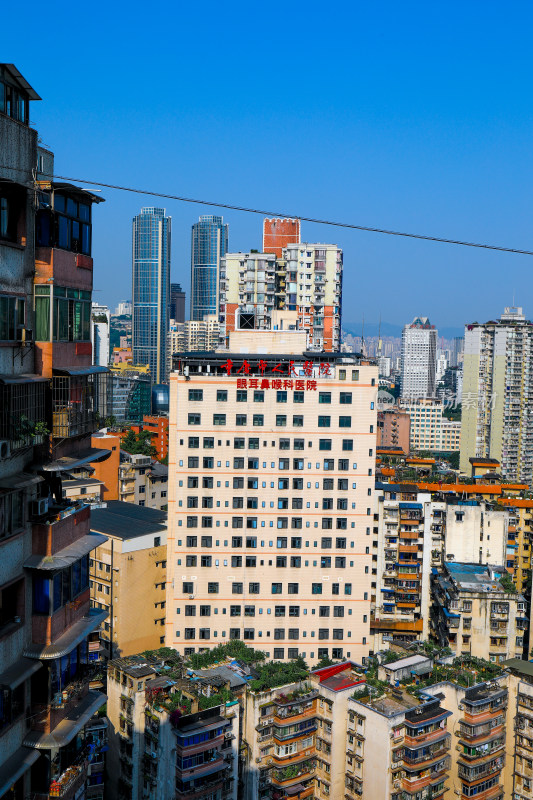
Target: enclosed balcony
(80, 398)
(22, 411)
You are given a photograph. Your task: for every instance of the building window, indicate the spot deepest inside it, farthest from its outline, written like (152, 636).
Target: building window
(324, 397)
(196, 394)
(242, 396)
(281, 420)
(222, 396)
(345, 398)
(345, 422)
(258, 420)
(324, 422)
(281, 397)
(298, 397)
(219, 419)
(324, 444)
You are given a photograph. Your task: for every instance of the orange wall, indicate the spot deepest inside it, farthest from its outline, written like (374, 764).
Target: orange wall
(107, 471)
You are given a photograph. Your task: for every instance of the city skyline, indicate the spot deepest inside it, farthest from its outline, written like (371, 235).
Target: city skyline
(427, 151)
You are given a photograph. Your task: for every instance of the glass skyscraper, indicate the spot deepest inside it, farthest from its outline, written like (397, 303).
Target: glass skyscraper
(209, 244)
(151, 290)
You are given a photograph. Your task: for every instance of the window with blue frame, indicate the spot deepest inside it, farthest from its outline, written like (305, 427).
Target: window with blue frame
(52, 593)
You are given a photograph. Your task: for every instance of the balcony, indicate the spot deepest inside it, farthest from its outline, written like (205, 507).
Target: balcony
(79, 398)
(22, 410)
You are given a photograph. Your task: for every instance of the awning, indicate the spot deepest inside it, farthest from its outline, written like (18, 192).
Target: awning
(70, 639)
(66, 556)
(21, 480)
(15, 767)
(18, 672)
(217, 722)
(9, 379)
(72, 462)
(95, 369)
(290, 790)
(69, 725)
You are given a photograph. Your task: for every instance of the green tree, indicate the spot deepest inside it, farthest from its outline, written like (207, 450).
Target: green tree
(139, 444)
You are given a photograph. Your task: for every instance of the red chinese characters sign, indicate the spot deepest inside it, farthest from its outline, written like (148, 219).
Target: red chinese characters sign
(264, 374)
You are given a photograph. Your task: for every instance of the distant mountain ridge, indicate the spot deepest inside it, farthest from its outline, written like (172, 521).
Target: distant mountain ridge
(389, 329)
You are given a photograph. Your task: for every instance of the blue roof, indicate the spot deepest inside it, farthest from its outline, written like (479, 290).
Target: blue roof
(410, 505)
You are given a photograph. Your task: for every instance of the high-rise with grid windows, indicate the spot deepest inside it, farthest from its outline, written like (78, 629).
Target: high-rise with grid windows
(208, 245)
(151, 290)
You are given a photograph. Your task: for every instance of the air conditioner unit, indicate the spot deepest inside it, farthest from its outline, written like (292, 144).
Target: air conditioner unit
(39, 507)
(5, 448)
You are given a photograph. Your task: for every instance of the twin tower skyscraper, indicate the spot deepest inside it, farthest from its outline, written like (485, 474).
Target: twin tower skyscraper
(151, 281)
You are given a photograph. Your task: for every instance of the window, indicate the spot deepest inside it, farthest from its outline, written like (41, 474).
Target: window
(222, 396)
(281, 420)
(212, 588)
(294, 611)
(324, 397)
(340, 543)
(324, 444)
(347, 444)
(219, 419)
(239, 443)
(316, 588)
(323, 633)
(298, 444)
(190, 561)
(242, 396)
(190, 611)
(338, 611)
(194, 442)
(206, 541)
(192, 482)
(196, 394)
(253, 444)
(342, 523)
(259, 397)
(279, 652)
(207, 483)
(345, 398)
(323, 611)
(240, 420)
(192, 522)
(235, 611)
(207, 502)
(209, 442)
(238, 483)
(324, 422)
(342, 484)
(208, 462)
(284, 444)
(329, 464)
(253, 588)
(13, 314)
(327, 484)
(344, 464)
(258, 420)
(236, 588)
(279, 611)
(281, 397)
(298, 421)
(298, 397)
(276, 588)
(195, 419)
(340, 562)
(345, 422)
(238, 463)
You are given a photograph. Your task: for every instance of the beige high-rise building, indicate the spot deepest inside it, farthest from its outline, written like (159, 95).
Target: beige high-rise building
(306, 280)
(271, 499)
(128, 577)
(497, 393)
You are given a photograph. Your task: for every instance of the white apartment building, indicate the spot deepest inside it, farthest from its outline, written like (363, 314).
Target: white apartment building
(430, 430)
(307, 281)
(100, 334)
(496, 394)
(419, 359)
(193, 335)
(271, 499)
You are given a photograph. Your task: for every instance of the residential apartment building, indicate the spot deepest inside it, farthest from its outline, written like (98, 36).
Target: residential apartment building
(142, 481)
(194, 335)
(131, 392)
(252, 555)
(394, 429)
(450, 432)
(465, 597)
(497, 390)
(100, 334)
(151, 290)
(166, 743)
(429, 429)
(128, 577)
(301, 290)
(209, 245)
(397, 746)
(278, 233)
(418, 360)
(50, 396)
(416, 532)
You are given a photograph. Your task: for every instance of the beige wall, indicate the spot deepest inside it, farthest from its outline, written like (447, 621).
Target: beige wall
(133, 589)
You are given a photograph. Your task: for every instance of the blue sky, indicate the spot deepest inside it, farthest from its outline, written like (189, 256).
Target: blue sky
(412, 116)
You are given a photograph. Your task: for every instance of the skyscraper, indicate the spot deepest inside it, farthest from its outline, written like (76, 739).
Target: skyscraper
(209, 244)
(497, 394)
(177, 303)
(419, 359)
(151, 290)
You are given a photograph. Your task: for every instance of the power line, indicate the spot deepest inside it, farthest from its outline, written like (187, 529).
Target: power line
(280, 214)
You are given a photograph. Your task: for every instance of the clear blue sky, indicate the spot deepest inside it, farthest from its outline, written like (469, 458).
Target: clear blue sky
(412, 116)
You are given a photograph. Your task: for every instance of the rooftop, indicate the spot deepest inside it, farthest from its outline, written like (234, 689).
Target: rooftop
(128, 521)
(410, 661)
(476, 577)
